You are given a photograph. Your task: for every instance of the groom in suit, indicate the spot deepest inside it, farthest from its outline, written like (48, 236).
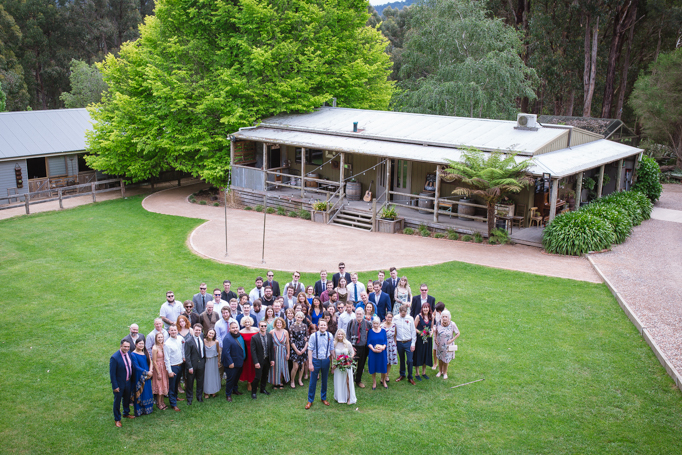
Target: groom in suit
(418, 300)
(261, 348)
(342, 274)
(121, 373)
(232, 359)
(195, 360)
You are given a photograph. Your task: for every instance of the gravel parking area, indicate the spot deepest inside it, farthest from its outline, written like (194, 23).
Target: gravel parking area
(646, 272)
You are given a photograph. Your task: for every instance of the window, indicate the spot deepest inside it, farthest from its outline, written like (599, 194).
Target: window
(402, 174)
(311, 156)
(36, 168)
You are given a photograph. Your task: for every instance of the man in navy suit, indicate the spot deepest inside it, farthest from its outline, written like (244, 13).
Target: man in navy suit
(232, 359)
(418, 300)
(321, 284)
(121, 372)
(389, 285)
(380, 300)
(342, 273)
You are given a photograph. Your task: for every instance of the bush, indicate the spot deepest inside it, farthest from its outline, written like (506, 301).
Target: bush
(467, 238)
(216, 204)
(192, 199)
(576, 233)
(452, 235)
(645, 204)
(500, 236)
(293, 214)
(281, 211)
(649, 179)
(424, 231)
(259, 208)
(625, 202)
(439, 235)
(202, 202)
(270, 210)
(304, 214)
(408, 231)
(617, 217)
(248, 207)
(478, 237)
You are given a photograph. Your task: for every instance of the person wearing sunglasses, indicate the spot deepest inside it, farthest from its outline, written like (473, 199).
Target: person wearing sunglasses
(170, 310)
(189, 313)
(201, 299)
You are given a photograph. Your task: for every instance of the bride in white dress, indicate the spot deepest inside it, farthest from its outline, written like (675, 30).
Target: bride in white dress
(344, 385)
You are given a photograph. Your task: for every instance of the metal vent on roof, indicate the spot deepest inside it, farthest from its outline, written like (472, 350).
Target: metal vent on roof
(528, 122)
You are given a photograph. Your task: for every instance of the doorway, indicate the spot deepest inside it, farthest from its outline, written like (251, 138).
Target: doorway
(402, 173)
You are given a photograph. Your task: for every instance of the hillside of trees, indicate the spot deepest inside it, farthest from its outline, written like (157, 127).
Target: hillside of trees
(396, 5)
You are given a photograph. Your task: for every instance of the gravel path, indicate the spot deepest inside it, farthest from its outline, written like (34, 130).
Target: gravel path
(646, 272)
(295, 244)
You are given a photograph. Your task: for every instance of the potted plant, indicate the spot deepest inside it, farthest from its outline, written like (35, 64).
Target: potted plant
(388, 220)
(320, 214)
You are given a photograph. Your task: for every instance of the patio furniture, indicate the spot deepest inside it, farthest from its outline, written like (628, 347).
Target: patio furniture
(448, 206)
(535, 217)
(520, 215)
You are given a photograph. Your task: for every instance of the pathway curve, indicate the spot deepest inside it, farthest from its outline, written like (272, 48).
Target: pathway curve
(295, 244)
(645, 270)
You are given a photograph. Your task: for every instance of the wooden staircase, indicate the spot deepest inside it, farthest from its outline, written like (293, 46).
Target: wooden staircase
(354, 219)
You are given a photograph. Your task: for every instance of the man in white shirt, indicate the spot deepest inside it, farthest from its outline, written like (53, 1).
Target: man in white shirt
(321, 284)
(406, 339)
(355, 288)
(218, 302)
(346, 317)
(258, 291)
(170, 310)
(174, 359)
(151, 338)
(222, 327)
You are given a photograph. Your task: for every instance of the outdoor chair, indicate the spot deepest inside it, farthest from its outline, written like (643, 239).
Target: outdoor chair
(535, 216)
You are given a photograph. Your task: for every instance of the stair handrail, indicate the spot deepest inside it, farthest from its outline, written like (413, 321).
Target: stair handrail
(333, 207)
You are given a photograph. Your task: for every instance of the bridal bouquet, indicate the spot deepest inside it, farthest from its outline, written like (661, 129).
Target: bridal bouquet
(425, 333)
(344, 362)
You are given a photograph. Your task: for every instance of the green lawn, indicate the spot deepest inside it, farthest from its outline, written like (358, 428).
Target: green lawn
(565, 371)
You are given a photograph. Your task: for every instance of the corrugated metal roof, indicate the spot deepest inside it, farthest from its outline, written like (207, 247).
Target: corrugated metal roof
(41, 133)
(560, 163)
(456, 132)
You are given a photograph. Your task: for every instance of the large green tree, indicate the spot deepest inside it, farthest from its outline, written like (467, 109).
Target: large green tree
(204, 68)
(11, 72)
(459, 61)
(657, 101)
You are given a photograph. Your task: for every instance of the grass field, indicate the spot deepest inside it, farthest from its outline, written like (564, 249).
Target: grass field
(565, 371)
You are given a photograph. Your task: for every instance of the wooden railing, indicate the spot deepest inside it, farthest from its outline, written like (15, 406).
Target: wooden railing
(63, 193)
(434, 209)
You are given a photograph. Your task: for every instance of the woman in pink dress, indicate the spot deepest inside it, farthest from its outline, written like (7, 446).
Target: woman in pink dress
(160, 377)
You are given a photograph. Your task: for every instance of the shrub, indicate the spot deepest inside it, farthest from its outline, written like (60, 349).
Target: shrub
(389, 213)
(575, 233)
(649, 179)
(216, 204)
(424, 231)
(320, 205)
(408, 231)
(202, 202)
(270, 210)
(478, 237)
(439, 235)
(645, 204)
(617, 217)
(466, 238)
(248, 207)
(304, 214)
(625, 202)
(281, 211)
(452, 235)
(259, 208)
(500, 236)
(293, 214)
(192, 199)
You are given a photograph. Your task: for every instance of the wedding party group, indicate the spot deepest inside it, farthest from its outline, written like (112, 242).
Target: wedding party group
(266, 336)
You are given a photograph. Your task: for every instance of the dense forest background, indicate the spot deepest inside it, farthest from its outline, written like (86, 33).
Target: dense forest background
(585, 54)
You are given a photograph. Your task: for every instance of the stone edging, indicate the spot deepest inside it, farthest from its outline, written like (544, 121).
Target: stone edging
(672, 372)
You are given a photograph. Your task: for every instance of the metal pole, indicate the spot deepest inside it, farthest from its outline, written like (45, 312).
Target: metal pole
(265, 211)
(226, 221)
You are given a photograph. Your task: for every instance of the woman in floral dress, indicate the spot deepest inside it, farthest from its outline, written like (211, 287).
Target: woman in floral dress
(299, 349)
(403, 294)
(392, 347)
(445, 337)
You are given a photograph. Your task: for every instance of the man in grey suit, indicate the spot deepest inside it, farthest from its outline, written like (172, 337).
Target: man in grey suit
(201, 299)
(195, 360)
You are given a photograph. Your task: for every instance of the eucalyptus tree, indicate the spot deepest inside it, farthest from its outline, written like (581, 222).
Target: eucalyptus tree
(459, 61)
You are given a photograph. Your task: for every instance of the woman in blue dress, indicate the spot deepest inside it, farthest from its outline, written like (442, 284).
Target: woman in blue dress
(316, 310)
(143, 397)
(377, 341)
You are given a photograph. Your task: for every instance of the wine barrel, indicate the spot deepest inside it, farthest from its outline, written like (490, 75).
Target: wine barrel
(312, 184)
(354, 191)
(465, 209)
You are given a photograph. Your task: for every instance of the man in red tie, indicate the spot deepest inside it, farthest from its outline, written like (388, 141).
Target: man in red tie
(121, 371)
